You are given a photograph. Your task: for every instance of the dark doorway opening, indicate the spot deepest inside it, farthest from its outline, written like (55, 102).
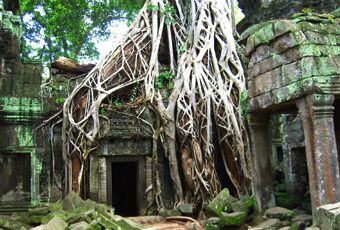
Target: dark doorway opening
(15, 178)
(124, 187)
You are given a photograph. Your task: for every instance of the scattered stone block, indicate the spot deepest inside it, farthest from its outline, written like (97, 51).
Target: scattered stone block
(221, 203)
(213, 223)
(303, 220)
(285, 223)
(8, 223)
(171, 212)
(40, 211)
(186, 209)
(55, 224)
(245, 204)
(232, 219)
(80, 226)
(268, 224)
(59, 213)
(27, 219)
(72, 201)
(328, 216)
(284, 228)
(279, 213)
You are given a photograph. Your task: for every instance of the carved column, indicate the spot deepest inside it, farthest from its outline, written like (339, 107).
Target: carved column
(316, 113)
(102, 198)
(262, 167)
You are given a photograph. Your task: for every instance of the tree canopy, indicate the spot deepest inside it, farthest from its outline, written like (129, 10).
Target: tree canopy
(68, 27)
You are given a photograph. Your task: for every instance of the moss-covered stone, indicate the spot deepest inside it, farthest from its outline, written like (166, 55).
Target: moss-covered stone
(221, 203)
(279, 213)
(213, 223)
(232, 219)
(171, 212)
(9, 223)
(244, 204)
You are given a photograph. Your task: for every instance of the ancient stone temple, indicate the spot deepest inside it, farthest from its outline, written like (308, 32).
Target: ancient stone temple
(24, 180)
(293, 78)
(31, 172)
(294, 69)
(121, 170)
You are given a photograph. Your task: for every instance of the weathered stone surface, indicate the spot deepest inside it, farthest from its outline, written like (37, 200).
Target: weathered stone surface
(244, 204)
(72, 201)
(263, 10)
(328, 216)
(213, 223)
(55, 224)
(232, 219)
(303, 220)
(9, 223)
(263, 181)
(312, 228)
(171, 212)
(185, 209)
(221, 203)
(80, 226)
(279, 213)
(285, 228)
(268, 224)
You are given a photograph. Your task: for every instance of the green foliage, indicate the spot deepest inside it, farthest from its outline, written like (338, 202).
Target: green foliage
(69, 27)
(117, 103)
(182, 48)
(134, 92)
(164, 80)
(169, 13)
(307, 11)
(104, 112)
(152, 7)
(60, 100)
(244, 102)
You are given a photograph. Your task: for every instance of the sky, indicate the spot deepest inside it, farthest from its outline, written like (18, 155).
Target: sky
(117, 29)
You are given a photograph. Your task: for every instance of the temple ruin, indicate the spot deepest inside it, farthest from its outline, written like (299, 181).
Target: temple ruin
(293, 112)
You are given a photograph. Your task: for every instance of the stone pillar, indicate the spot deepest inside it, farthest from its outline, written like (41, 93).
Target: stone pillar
(262, 167)
(316, 113)
(102, 197)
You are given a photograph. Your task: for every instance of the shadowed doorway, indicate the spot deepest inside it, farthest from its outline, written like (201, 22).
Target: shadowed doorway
(125, 192)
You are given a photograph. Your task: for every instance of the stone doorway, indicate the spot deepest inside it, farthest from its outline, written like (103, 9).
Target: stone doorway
(125, 185)
(15, 176)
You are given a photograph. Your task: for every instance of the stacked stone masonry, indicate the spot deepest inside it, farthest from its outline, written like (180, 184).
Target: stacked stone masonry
(294, 67)
(30, 173)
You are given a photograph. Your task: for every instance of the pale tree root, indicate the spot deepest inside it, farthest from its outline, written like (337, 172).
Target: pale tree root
(194, 60)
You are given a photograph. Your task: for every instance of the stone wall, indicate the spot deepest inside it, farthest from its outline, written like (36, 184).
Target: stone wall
(31, 174)
(292, 58)
(24, 164)
(129, 139)
(294, 69)
(259, 11)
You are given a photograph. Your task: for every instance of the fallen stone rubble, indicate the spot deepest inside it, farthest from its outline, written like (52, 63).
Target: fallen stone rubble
(71, 213)
(223, 212)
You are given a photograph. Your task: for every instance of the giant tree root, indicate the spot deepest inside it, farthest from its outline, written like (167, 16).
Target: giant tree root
(188, 72)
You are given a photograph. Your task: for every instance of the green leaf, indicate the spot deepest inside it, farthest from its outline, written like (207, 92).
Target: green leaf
(69, 27)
